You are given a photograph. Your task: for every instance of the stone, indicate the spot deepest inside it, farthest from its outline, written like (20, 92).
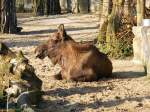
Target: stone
(17, 78)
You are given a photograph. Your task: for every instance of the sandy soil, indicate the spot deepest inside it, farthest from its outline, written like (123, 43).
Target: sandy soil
(127, 91)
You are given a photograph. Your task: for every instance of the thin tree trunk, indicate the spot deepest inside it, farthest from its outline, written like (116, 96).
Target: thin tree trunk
(63, 5)
(140, 11)
(83, 6)
(113, 21)
(38, 7)
(105, 11)
(127, 8)
(54, 7)
(147, 9)
(46, 7)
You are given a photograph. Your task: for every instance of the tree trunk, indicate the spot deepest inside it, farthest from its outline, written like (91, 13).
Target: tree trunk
(54, 7)
(46, 7)
(83, 6)
(74, 6)
(8, 17)
(38, 7)
(105, 11)
(127, 8)
(113, 23)
(147, 9)
(63, 5)
(20, 6)
(115, 35)
(140, 11)
(109, 24)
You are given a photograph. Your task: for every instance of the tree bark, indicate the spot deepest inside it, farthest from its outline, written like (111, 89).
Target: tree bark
(83, 6)
(127, 8)
(147, 9)
(54, 7)
(113, 22)
(140, 11)
(105, 11)
(63, 5)
(115, 36)
(38, 7)
(46, 7)
(8, 19)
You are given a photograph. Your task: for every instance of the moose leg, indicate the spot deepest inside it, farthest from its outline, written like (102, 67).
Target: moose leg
(85, 75)
(65, 75)
(57, 76)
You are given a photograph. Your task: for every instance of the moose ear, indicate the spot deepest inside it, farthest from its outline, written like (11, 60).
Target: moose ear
(61, 28)
(62, 31)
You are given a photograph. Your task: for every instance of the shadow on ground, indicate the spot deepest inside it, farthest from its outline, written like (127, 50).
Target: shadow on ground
(37, 32)
(97, 104)
(128, 74)
(77, 90)
(52, 30)
(22, 43)
(65, 106)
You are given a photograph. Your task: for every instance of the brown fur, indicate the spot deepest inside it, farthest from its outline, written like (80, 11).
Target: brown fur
(79, 62)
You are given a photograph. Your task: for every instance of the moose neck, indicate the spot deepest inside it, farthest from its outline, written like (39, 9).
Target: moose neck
(55, 56)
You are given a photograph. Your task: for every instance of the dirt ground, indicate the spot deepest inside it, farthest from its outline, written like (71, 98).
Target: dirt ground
(127, 91)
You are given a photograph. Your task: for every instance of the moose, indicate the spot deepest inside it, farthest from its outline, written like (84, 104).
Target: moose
(78, 61)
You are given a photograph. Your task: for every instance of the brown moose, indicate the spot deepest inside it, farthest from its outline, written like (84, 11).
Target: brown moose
(79, 62)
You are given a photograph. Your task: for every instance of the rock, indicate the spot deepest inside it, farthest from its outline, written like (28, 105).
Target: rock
(141, 47)
(18, 78)
(140, 104)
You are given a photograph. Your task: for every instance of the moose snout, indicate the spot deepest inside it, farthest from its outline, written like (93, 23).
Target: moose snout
(37, 55)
